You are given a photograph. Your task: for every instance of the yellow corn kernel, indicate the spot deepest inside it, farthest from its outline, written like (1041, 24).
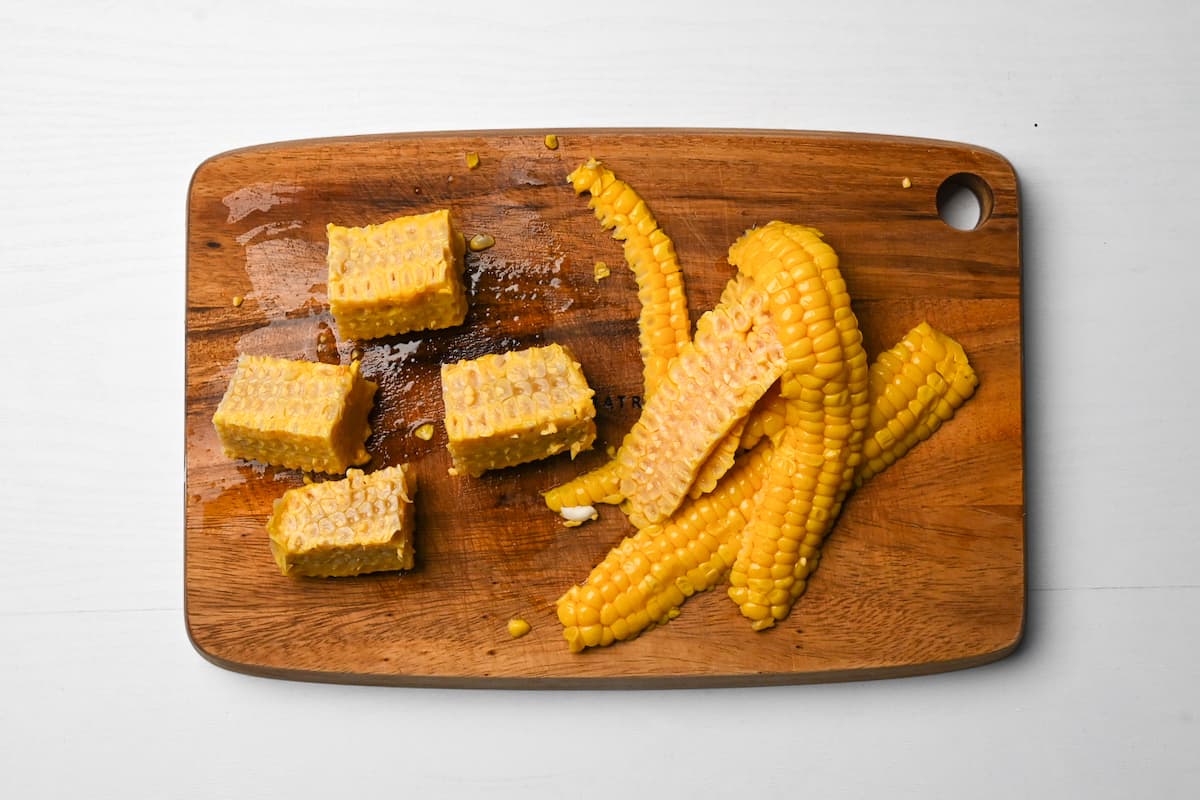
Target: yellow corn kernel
(708, 389)
(825, 379)
(424, 431)
(551, 141)
(238, 300)
(518, 628)
(362, 523)
(480, 242)
(472, 160)
(935, 364)
(296, 414)
(663, 324)
(399, 276)
(510, 408)
(601, 271)
(644, 579)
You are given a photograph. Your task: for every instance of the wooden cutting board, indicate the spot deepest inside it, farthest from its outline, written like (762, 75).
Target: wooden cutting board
(925, 569)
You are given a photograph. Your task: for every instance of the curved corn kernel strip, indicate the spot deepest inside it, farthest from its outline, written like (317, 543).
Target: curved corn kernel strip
(663, 325)
(591, 488)
(767, 419)
(709, 388)
(825, 388)
(914, 387)
(645, 579)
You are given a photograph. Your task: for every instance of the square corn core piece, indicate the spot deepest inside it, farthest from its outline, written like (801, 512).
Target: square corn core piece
(395, 277)
(296, 414)
(511, 408)
(359, 524)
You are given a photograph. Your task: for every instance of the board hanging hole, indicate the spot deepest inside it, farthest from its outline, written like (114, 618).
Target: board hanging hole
(965, 201)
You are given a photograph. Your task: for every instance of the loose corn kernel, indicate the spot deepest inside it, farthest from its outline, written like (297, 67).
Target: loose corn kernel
(481, 241)
(472, 160)
(601, 271)
(238, 300)
(424, 431)
(518, 628)
(551, 141)
(906, 183)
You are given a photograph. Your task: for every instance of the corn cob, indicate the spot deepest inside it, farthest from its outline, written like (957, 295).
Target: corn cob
(825, 387)
(362, 523)
(296, 414)
(698, 520)
(915, 387)
(507, 409)
(709, 388)
(399, 276)
(663, 325)
(645, 579)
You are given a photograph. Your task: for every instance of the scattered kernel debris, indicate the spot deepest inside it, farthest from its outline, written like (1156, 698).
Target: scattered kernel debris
(602, 271)
(551, 141)
(424, 431)
(472, 160)
(906, 183)
(518, 628)
(480, 241)
(238, 300)
(574, 516)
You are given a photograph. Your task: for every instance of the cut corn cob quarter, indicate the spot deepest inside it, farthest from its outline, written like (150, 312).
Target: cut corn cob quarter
(359, 524)
(398, 276)
(511, 408)
(296, 414)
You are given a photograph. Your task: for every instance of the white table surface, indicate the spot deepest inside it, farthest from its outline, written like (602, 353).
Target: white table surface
(105, 111)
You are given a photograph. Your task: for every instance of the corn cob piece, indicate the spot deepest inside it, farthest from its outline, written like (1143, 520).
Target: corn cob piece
(709, 388)
(359, 524)
(825, 387)
(296, 414)
(594, 487)
(398, 276)
(915, 387)
(663, 324)
(510, 408)
(644, 580)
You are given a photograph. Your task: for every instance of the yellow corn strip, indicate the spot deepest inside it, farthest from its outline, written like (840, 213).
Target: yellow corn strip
(510, 408)
(645, 579)
(591, 488)
(696, 520)
(663, 325)
(718, 462)
(362, 523)
(915, 387)
(825, 387)
(712, 385)
(296, 414)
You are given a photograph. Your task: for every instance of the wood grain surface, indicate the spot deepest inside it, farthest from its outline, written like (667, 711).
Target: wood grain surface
(925, 569)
